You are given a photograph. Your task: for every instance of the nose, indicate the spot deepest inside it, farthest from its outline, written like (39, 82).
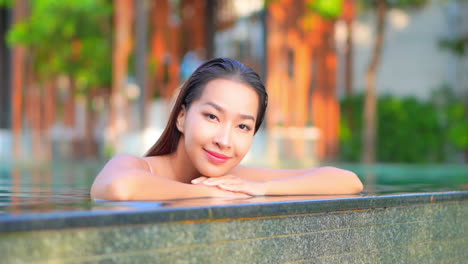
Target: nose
(223, 137)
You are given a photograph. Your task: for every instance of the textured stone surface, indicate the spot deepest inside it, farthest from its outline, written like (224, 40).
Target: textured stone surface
(411, 233)
(157, 214)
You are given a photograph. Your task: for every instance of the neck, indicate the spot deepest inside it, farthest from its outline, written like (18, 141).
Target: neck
(181, 166)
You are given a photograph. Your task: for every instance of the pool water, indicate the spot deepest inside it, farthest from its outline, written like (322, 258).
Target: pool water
(409, 213)
(65, 186)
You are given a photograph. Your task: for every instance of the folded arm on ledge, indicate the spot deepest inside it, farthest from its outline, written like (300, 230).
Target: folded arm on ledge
(127, 177)
(257, 181)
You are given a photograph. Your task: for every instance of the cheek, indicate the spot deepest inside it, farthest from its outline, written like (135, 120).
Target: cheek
(198, 130)
(243, 144)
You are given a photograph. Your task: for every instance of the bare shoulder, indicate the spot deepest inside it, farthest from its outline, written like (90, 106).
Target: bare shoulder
(119, 167)
(128, 161)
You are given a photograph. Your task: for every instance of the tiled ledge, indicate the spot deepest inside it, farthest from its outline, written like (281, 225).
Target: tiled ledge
(199, 210)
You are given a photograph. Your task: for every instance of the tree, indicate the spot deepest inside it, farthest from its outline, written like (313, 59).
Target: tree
(325, 106)
(123, 18)
(18, 61)
(381, 8)
(61, 43)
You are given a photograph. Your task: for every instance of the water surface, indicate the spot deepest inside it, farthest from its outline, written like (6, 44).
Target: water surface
(38, 188)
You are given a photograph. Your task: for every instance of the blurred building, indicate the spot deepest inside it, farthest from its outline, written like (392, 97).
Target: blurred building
(413, 63)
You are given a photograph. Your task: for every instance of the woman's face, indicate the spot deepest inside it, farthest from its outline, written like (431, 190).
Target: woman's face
(218, 128)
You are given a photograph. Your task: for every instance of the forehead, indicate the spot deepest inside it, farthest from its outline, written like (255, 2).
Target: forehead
(234, 96)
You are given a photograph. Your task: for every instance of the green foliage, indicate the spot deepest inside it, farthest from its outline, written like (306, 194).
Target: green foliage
(351, 128)
(405, 4)
(454, 113)
(70, 37)
(456, 46)
(457, 115)
(6, 3)
(328, 9)
(267, 2)
(408, 130)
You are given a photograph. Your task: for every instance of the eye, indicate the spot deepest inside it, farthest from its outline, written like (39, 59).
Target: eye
(244, 127)
(211, 116)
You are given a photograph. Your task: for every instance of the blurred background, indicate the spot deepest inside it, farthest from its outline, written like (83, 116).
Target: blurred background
(350, 82)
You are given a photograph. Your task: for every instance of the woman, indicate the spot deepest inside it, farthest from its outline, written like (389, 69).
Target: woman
(210, 130)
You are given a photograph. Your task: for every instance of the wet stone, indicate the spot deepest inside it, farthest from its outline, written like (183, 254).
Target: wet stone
(414, 231)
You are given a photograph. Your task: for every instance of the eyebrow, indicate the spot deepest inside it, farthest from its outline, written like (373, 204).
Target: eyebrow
(219, 108)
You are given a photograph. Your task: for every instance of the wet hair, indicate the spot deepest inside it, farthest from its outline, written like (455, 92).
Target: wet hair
(218, 68)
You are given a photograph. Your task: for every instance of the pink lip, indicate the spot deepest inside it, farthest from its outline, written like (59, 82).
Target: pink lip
(216, 157)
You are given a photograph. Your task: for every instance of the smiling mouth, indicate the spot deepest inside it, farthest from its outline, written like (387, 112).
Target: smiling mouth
(216, 157)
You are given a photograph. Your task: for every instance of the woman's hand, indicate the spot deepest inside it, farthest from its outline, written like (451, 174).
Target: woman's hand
(233, 183)
(216, 192)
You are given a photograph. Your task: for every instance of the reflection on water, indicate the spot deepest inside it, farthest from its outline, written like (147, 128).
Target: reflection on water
(44, 187)
(65, 187)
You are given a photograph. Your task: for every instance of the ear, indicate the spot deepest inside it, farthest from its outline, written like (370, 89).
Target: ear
(180, 122)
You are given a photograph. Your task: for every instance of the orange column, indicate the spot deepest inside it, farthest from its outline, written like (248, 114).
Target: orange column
(325, 107)
(276, 64)
(318, 96)
(123, 20)
(333, 112)
(160, 9)
(18, 60)
(159, 48)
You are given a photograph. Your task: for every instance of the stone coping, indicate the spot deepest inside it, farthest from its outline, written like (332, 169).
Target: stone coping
(200, 210)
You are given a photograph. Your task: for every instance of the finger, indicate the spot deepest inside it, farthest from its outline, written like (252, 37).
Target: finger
(223, 178)
(236, 194)
(227, 187)
(218, 181)
(232, 187)
(212, 181)
(199, 180)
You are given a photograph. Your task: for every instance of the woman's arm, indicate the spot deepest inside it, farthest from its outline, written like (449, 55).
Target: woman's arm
(257, 181)
(127, 177)
(325, 180)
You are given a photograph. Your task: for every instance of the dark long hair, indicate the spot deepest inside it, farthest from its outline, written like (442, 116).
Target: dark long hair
(192, 89)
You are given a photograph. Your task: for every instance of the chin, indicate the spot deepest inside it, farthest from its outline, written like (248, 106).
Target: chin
(214, 171)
